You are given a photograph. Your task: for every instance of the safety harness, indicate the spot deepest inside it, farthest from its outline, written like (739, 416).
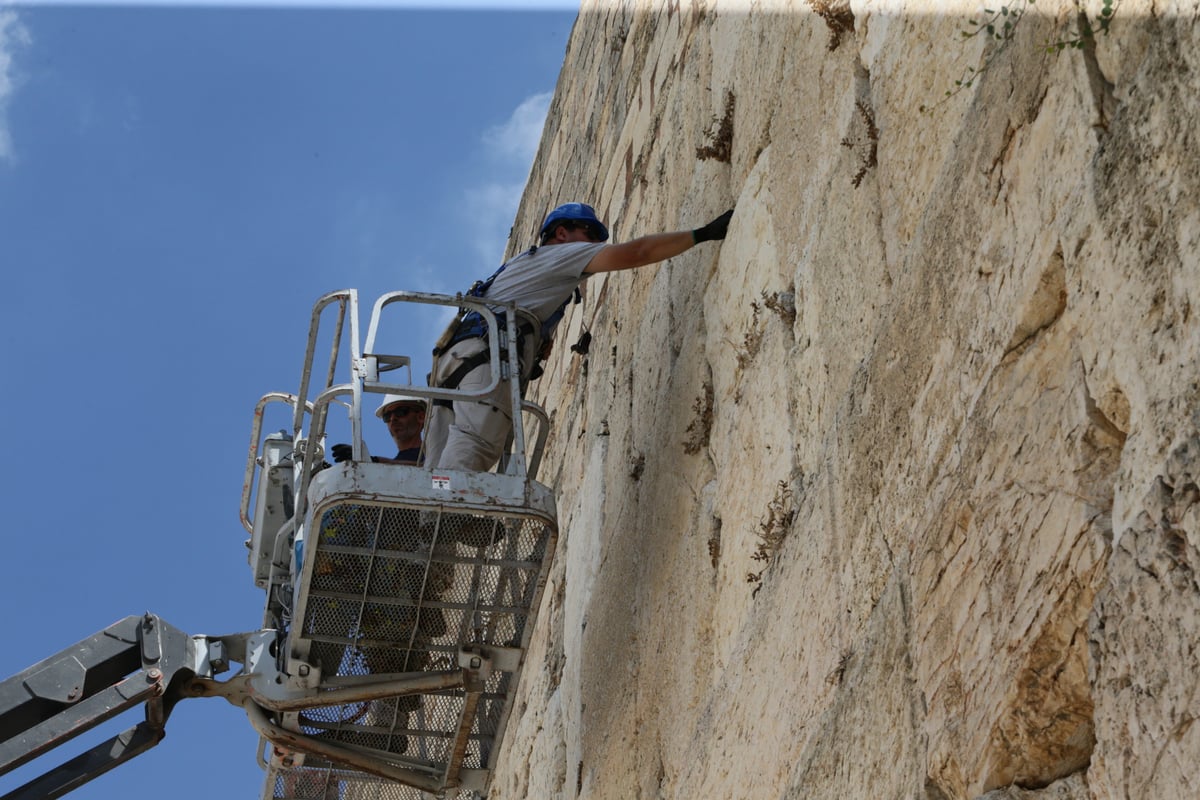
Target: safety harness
(472, 325)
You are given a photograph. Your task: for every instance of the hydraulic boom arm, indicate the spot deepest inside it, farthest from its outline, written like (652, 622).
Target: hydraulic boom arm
(400, 604)
(138, 660)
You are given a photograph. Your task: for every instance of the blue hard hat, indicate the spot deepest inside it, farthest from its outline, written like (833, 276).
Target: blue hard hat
(575, 212)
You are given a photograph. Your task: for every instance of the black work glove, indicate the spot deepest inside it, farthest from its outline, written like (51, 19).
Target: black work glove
(713, 230)
(341, 452)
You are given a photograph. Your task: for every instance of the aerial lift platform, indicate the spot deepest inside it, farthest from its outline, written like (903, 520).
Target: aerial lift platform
(399, 602)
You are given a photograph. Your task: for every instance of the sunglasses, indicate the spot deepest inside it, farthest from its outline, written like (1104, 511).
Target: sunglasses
(590, 230)
(401, 412)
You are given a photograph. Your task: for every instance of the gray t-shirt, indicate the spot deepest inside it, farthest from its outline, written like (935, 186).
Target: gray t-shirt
(543, 281)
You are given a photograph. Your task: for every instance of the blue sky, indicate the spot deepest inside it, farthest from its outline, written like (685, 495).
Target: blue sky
(177, 186)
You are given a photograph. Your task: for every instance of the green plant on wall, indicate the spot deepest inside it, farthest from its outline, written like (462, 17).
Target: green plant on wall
(1086, 34)
(1000, 25)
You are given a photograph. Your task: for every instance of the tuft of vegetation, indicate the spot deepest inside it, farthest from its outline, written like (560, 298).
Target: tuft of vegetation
(783, 304)
(752, 340)
(999, 25)
(720, 135)
(714, 543)
(772, 530)
(1085, 33)
(637, 466)
(699, 430)
(866, 146)
(838, 18)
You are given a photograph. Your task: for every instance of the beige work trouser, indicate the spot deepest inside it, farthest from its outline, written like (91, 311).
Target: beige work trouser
(471, 434)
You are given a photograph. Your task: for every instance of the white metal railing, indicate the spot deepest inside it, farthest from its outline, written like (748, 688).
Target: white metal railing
(502, 344)
(366, 368)
(490, 588)
(256, 445)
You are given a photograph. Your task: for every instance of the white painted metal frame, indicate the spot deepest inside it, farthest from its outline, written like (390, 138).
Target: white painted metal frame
(277, 682)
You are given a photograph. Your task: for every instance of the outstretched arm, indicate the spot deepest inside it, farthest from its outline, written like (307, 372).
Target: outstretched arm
(656, 247)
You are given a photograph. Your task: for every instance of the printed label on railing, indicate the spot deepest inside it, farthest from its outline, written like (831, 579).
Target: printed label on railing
(441, 482)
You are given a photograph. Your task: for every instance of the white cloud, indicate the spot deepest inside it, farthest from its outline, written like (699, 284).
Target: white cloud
(492, 203)
(492, 208)
(518, 138)
(13, 36)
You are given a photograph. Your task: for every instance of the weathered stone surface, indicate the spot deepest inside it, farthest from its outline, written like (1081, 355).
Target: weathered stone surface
(894, 492)
(1072, 788)
(1144, 632)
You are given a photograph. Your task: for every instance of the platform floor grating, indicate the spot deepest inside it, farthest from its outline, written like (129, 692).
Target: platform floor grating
(320, 781)
(395, 590)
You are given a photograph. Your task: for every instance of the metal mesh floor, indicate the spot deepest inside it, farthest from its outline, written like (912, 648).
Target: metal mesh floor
(394, 590)
(322, 781)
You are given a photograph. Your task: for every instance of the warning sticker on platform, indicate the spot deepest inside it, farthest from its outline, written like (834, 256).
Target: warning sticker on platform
(441, 482)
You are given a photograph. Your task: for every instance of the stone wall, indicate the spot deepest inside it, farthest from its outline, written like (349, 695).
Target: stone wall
(893, 493)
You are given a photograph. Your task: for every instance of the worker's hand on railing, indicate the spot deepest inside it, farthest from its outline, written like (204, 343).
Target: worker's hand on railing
(342, 452)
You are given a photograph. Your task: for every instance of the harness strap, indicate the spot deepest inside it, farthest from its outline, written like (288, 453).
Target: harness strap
(470, 363)
(473, 324)
(455, 378)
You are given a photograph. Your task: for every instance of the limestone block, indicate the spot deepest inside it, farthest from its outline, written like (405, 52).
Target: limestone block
(1143, 634)
(946, 358)
(1071, 788)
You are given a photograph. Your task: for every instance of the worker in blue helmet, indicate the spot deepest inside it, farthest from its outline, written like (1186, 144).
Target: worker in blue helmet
(577, 213)
(572, 245)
